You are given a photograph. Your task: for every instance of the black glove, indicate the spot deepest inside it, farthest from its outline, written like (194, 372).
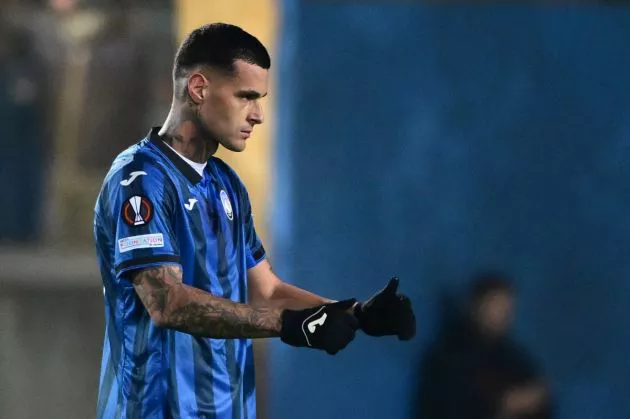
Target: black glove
(387, 313)
(329, 327)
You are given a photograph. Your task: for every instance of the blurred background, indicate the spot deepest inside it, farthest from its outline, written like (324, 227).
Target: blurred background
(479, 152)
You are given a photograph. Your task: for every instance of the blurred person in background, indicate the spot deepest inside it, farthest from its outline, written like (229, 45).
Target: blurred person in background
(187, 283)
(475, 369)
(22, 142)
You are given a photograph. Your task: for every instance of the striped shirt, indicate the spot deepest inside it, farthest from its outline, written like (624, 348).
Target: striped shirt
(155, 209)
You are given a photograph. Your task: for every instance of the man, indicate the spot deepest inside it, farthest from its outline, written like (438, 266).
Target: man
(187, 284)
(476, 370)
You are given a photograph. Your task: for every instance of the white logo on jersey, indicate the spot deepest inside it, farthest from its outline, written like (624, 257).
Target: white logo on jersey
(227, 206)
(136, 202)
(191, 204)
(132, 177)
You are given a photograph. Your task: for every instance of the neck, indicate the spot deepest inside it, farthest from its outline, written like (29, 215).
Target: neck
(182, 131)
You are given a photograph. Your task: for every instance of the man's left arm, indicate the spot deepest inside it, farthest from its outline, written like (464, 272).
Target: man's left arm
(266, 288)
(386, 313)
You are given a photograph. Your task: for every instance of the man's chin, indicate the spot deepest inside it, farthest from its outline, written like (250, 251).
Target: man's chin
(236, 146)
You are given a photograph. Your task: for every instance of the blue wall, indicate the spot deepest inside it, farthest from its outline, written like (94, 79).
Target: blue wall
(430, 141)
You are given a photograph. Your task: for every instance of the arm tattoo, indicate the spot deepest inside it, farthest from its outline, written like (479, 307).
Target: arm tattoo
(177, 306)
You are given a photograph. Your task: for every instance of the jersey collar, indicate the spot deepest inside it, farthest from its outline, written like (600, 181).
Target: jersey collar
(180, 163)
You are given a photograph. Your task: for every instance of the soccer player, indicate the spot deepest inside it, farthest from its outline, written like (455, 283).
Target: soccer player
(186, 281)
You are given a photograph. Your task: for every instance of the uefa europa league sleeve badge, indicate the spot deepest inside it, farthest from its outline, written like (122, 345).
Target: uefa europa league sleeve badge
(137, 211)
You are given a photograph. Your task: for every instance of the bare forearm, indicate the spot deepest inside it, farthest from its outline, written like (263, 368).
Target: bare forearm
(191, 310)
(266, 289)
(200, 313)
(291, 297)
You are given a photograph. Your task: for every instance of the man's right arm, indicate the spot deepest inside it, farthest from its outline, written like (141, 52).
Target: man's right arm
(174, 305)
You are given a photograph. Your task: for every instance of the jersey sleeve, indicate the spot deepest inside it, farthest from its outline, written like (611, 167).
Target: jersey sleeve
(254, 250)
(143, 214)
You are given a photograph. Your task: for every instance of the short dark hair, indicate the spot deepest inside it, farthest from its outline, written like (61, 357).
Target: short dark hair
(219, 45)
(484, 283)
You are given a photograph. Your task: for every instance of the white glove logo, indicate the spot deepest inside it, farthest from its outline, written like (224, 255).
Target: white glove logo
(318, 322)
(311, 325)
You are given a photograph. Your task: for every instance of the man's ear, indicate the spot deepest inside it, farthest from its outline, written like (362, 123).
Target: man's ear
(196, 85)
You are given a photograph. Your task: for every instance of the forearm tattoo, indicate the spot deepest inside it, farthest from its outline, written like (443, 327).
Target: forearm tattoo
(175, 305)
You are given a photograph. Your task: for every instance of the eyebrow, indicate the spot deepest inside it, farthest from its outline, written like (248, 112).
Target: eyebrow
(251, 94)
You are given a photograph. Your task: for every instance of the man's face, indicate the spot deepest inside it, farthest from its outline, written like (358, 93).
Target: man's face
(494, 312)
(63, 6)
(232, 107)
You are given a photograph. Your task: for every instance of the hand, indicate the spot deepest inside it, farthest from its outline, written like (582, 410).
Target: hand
(522, 400)
(329, 327)
(387, 313)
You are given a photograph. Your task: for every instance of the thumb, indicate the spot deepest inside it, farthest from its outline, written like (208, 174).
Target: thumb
(342, 305)
(392, 286)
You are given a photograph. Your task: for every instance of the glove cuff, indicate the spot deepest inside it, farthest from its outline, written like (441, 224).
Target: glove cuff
(290, 324)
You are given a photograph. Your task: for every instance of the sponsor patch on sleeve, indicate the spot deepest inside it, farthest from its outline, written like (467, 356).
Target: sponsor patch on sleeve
(144, 241)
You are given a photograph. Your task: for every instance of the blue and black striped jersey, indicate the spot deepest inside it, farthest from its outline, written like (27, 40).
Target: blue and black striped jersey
(155, 209)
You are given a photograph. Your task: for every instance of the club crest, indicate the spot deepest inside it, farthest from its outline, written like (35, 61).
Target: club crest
(227, 205)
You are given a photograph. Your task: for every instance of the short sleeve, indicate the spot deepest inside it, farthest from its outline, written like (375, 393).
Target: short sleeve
(143, 205)
(255, 252)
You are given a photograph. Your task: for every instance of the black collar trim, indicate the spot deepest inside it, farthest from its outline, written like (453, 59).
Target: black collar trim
(181, 165)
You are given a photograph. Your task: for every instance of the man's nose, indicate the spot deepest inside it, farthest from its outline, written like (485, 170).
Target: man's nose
(256, 116)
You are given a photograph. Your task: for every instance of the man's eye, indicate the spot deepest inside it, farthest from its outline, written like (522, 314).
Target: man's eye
(249, 97)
